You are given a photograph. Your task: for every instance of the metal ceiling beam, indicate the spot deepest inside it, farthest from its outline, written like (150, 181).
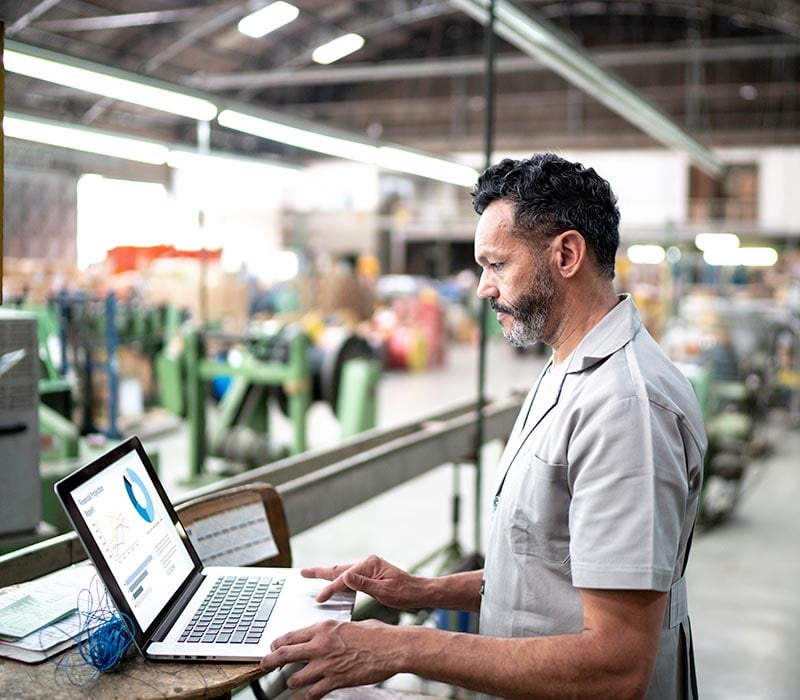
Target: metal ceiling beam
(211, 22)
(134, 19)
(545, 43)
(30, 16)
(451, 67)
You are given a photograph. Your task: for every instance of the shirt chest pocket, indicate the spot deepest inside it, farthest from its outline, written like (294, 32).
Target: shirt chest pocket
(538, 499)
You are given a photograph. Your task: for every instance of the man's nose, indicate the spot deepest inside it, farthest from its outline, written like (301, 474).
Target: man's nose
(485, 288)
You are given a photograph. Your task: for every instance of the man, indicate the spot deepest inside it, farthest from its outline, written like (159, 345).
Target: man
(582, 595)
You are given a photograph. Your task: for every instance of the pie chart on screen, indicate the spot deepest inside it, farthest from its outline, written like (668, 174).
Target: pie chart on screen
(137, 492)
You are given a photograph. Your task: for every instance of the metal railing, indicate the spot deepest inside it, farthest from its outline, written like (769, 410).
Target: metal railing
(320, 484)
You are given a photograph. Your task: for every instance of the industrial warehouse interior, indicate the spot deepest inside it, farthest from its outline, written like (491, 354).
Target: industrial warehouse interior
(242, 231)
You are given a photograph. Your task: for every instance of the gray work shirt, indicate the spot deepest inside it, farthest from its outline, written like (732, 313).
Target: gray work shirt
(598, 488)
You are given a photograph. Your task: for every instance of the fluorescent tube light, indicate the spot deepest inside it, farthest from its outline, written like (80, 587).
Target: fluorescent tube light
(101, 81)
(716, 241)
(747, 257)
(301, 138)
(426, 166)
(646, 254)
(383, 156)
(338, 48)
(179, 158)
(268, 19)
(81, 139)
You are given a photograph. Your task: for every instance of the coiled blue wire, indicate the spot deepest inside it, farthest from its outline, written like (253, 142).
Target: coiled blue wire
(104, 638)
(104, 646)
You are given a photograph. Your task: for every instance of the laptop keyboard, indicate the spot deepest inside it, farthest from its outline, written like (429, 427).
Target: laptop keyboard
(235, 611)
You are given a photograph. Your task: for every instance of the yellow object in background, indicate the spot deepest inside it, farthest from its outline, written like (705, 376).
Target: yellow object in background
(368, 266)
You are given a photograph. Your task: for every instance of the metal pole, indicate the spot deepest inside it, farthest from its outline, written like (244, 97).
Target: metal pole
(2, 174)
(112, 365)
(489, 98)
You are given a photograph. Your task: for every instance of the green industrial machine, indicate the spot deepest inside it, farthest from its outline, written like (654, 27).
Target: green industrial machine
(55, 393)
(254, 374)
(730, 411)
(79, 335)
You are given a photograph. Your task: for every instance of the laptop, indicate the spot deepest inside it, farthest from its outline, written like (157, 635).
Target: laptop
(153, 573)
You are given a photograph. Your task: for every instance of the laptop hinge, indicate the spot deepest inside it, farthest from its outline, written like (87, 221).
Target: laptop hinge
(160, 633)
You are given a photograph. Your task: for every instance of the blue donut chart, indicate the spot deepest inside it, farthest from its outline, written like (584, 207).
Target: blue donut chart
(145, 510)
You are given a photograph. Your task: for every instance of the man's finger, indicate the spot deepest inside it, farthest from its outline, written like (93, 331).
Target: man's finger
(284, 654)
(324, 572)
(337, 586)
(298, 636)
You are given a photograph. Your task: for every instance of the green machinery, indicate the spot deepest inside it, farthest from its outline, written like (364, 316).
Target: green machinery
(79, 335)
(283, 368)
(55, 393)
(88, 332)
(730, 410)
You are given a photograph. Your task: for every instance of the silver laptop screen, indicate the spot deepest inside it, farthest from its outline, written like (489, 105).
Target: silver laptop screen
(135, 535)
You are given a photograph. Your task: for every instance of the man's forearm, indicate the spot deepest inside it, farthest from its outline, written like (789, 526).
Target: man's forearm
(611, 657)
(566, 666)
(460, 591)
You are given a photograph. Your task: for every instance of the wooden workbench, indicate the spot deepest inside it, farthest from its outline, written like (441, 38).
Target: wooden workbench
(138, 678)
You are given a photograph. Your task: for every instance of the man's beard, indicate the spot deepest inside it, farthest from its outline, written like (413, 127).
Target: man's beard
(530, 312)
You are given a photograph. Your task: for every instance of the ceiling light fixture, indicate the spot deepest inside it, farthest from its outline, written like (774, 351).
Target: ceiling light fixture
(293, 136)
(268, 19)
(426, 166)
(384, 156)
(64, 70)
(544, 42)
(337, 48)
(179, 158)
(81, 139)
(100, 80)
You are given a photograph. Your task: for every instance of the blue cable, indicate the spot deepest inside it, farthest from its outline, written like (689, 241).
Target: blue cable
(104, 638)
(104, 646)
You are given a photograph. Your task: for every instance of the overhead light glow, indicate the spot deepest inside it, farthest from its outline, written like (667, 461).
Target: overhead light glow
(646, 254)
(716, 241)
(301, 138)
(81, 139)
(192, 159)
(283, 266)
(338, 48)
(268, 19)
(108, 85)
(426, 166)
(747, 257)
(383, 156)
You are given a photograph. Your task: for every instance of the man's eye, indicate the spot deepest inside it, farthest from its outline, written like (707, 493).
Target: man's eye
(497, 266)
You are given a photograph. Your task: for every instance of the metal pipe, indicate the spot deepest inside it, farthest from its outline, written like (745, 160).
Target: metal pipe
(543, 41)
(489, 126)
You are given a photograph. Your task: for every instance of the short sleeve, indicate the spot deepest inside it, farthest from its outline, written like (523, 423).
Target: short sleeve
(627, 473)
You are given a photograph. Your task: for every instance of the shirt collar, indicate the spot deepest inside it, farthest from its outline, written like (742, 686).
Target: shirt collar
(613, 331)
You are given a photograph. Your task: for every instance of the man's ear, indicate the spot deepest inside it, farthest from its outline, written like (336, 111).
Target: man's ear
(571, 252)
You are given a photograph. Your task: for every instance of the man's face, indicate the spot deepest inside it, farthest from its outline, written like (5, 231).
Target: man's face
(516, 279)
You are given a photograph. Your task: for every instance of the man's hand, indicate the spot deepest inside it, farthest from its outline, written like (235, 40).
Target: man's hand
(336, 655)
(375, 577)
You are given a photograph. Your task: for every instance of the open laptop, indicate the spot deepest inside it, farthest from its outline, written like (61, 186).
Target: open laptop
(143, 555)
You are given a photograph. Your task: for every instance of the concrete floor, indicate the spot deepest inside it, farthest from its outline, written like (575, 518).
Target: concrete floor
(743, 574)
(744, 584)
